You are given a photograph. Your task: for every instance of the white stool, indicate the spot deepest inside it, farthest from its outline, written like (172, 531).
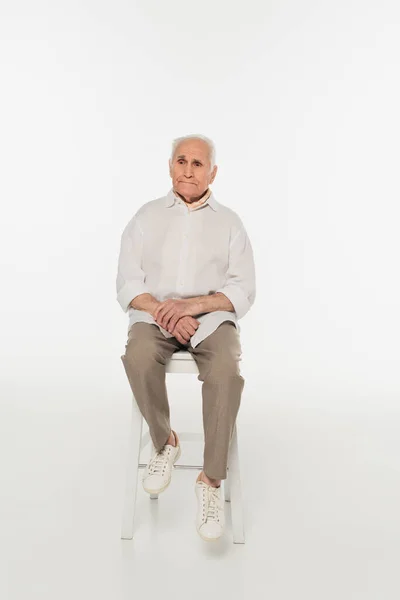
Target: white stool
(180, 362)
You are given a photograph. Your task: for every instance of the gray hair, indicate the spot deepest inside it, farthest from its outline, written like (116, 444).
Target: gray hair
(210, 143)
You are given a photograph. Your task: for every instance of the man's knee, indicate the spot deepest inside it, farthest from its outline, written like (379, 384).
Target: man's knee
(142, 353)
(224, 366)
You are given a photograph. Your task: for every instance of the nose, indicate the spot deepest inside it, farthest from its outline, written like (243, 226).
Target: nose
(188, 171)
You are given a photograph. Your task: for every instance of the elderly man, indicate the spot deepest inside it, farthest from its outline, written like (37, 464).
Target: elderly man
(186, 275)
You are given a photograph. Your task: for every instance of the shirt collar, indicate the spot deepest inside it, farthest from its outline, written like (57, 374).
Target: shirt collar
(171, 197)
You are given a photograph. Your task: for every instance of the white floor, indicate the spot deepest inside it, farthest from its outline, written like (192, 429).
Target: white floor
(321, 489)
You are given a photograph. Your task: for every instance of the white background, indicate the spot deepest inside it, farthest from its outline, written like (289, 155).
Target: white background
(302, 100)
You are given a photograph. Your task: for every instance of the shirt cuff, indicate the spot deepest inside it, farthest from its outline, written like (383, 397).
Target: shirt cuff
(129, 292)
(238, 298)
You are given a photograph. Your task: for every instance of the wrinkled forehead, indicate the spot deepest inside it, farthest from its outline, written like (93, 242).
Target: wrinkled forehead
(192, 150)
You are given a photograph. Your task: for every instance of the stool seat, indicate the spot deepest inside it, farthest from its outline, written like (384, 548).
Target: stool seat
(180, 362)
(182, 355)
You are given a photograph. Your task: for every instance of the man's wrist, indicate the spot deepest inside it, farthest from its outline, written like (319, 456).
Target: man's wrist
(145, 302)
(197, 306)
(153, 307)
(211, 303)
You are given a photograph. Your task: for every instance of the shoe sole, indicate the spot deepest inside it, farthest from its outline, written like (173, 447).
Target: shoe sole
(169, 480)
(207, 539)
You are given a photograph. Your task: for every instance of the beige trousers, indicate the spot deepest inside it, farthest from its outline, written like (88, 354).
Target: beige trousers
(146, 354)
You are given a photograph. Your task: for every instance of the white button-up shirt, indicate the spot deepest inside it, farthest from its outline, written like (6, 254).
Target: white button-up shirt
(172, 251)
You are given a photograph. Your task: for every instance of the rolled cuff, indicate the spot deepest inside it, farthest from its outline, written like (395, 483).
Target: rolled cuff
(129, 292)
(238, 298)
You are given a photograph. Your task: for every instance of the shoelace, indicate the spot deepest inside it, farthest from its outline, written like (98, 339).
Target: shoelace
(159, 460)
(211, 503)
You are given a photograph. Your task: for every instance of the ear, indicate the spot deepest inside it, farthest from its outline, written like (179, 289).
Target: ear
(213, 174)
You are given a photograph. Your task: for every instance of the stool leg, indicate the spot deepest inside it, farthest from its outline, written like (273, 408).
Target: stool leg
(236, 491)
(227, 489)
(134, 444)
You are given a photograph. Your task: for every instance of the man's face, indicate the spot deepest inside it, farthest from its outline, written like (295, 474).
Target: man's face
(190, 169)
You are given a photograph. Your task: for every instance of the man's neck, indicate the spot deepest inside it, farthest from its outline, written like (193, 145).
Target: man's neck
(195, 201)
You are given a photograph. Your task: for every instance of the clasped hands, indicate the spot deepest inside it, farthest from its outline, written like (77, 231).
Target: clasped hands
(177, 317)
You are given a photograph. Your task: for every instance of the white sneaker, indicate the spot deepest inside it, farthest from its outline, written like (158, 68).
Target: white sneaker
(157, 474)
(210, 519)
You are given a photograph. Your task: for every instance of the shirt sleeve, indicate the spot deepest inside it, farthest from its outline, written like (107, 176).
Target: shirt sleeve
(130, 277)
(240, 284)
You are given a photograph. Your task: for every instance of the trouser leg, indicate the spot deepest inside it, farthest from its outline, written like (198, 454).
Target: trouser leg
(146, 354)
(217, 358)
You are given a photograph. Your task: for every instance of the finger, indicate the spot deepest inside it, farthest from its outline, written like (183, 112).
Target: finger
(162, 308)
(173, 322)
(179, 336)
(161, 315)
(189, 330)
(167, 318)
(168, 315)
(157, 310)
(184, 335)
(194, 322)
